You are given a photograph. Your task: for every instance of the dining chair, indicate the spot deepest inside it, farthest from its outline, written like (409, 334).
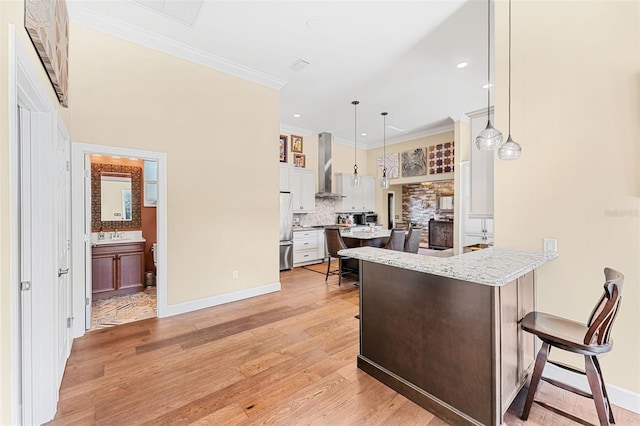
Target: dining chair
(396, 240)
(412, 239)
(335, 243)
(590, 340)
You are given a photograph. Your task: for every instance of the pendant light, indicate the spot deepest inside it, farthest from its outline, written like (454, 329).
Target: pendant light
(355, 179)
(384, 182)
(490, 138)
(510, 150)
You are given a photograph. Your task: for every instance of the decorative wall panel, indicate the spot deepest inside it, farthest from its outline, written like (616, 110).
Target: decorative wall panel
(414, 163)
(441, 158)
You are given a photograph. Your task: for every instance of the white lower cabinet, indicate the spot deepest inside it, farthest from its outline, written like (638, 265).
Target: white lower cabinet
(478, 231)
(308, 247)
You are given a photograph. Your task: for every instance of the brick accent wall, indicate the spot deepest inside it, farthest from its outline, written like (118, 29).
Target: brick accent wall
(419, 204)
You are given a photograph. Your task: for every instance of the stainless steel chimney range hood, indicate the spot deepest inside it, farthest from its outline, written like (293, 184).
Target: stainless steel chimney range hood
(324, 167)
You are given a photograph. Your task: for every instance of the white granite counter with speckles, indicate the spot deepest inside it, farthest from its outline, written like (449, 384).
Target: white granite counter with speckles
(495, 266)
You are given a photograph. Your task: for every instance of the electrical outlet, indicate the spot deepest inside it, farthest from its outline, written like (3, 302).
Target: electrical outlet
(550, 245)
(234, 275)
(397, 216)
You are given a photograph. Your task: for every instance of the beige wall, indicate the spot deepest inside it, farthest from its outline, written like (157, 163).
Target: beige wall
(219, 133)
(576, 113)
(396, 184)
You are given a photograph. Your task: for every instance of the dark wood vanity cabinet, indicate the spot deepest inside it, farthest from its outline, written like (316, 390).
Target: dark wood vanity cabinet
(117, 269)
(440, 234)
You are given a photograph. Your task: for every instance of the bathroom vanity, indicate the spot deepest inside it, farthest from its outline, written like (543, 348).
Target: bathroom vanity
(117, 268)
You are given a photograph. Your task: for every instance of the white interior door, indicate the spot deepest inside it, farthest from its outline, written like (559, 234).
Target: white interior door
(88, 273)
(63, 248)
(24, 148)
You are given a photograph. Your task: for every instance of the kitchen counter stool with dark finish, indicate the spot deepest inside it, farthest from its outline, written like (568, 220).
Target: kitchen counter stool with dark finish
(334, 245)
(590, 340)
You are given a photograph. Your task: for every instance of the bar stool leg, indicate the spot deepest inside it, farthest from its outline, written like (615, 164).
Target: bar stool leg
(596, 389)
(541, 360)
(328, 268)
(339, 271)
(604, 389)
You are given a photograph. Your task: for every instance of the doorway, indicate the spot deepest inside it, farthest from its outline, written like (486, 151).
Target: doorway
(390, 210)
(82, 222)
(83, 231)
(123, 224)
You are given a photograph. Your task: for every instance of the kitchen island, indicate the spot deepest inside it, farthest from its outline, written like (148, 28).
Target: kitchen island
(445, 332)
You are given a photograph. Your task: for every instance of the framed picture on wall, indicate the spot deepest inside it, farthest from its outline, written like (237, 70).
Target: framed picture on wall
(299, 160)
(283, 148)
(296, 144)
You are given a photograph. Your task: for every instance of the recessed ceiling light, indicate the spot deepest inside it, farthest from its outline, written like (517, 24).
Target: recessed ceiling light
(363, 134)
(296, 115)
(462, 64)
(314, 23)
(488, 85)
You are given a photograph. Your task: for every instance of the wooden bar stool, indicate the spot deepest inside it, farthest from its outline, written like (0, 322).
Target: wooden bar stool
(589, 340)
(334, 245)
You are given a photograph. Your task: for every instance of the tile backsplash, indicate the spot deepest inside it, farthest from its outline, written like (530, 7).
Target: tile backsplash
(323, 215)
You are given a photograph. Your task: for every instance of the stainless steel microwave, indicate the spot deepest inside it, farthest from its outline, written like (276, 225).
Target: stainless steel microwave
(365, 218)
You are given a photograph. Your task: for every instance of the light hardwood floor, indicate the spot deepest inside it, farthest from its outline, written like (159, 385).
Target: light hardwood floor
(284, 358)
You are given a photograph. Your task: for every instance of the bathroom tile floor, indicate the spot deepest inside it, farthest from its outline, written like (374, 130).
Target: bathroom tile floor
(123, 309)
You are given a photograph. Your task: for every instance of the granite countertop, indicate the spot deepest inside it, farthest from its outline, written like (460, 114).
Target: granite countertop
(365, 234)
(495, 266)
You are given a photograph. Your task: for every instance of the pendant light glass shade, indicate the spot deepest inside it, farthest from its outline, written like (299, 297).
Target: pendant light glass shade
(490, 138)
(355, 178)
(511, 150)
(384, 181)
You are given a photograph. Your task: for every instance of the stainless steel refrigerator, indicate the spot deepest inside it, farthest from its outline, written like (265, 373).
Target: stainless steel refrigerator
(286, 231)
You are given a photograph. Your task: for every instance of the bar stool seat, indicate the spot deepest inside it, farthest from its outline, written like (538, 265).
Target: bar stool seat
(590, 340)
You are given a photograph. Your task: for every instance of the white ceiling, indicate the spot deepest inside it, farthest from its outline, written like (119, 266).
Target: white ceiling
(395, 56)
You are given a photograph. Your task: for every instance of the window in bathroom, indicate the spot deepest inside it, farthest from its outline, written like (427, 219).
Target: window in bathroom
(150, 183)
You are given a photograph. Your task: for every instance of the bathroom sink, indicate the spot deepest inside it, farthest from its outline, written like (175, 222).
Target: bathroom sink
(125, 237)
(118, 241)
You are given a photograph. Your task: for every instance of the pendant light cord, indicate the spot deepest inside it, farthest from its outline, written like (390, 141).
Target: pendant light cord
(509, 68)
(488, 59)
(384, 144)
(355, 135)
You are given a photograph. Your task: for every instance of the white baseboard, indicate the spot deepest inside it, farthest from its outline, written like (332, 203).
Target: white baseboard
(194, 305)
(620, 397)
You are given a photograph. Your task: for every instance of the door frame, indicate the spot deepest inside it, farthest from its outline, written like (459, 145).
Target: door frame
(81, 226)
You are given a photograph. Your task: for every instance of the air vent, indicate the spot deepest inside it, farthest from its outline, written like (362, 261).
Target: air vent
(299, 64)
(184, 11)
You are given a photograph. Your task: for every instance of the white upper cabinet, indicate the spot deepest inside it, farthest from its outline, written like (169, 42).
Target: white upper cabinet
(481, 189)
(358, 199)
(285, 177)
(302, 184)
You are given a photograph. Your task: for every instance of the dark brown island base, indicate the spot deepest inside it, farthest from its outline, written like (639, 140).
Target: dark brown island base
(445, 332)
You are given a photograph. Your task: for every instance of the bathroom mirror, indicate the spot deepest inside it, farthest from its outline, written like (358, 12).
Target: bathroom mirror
(115, 196)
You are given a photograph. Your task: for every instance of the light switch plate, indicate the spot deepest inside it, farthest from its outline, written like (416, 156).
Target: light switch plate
(550, 245)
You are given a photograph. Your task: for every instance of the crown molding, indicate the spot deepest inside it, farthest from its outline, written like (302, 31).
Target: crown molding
(154, 41)
(413, 136)
(286, 128)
